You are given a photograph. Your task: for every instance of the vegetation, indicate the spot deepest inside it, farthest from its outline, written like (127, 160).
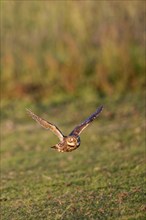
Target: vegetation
(103, 179)
(63, 59)
(53, 47)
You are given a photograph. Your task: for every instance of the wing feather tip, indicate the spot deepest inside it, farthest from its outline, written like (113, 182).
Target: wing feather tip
(29, 112)
(100, 108)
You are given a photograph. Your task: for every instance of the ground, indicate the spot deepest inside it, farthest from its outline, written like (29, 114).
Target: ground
(102, 179)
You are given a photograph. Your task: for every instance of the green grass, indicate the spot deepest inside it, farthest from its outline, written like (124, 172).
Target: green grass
(103, 179)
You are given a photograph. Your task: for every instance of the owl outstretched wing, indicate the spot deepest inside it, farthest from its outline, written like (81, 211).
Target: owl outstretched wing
(78, 129)
(47, 125)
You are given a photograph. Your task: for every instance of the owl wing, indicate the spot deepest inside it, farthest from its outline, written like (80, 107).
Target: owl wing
(47, 125)
(77, 130)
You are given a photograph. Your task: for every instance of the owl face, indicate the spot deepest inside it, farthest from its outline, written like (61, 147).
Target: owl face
(71, 141)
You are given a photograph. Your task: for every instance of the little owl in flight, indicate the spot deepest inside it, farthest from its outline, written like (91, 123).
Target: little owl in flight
(72, 141)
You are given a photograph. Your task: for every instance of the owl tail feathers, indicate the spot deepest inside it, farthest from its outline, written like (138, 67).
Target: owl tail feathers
(54, 147)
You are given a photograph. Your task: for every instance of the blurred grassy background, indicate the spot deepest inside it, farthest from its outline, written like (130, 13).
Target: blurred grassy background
(54, 48)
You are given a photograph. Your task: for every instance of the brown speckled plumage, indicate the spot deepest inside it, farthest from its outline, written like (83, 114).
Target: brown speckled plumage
(72, 141)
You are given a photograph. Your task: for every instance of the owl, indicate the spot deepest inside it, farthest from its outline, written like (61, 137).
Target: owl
(72, 141)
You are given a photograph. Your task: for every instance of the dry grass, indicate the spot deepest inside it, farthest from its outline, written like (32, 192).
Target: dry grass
(53, 47)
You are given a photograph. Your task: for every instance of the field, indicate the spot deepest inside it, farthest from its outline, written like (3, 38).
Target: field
(103, 179)
(63, 59)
